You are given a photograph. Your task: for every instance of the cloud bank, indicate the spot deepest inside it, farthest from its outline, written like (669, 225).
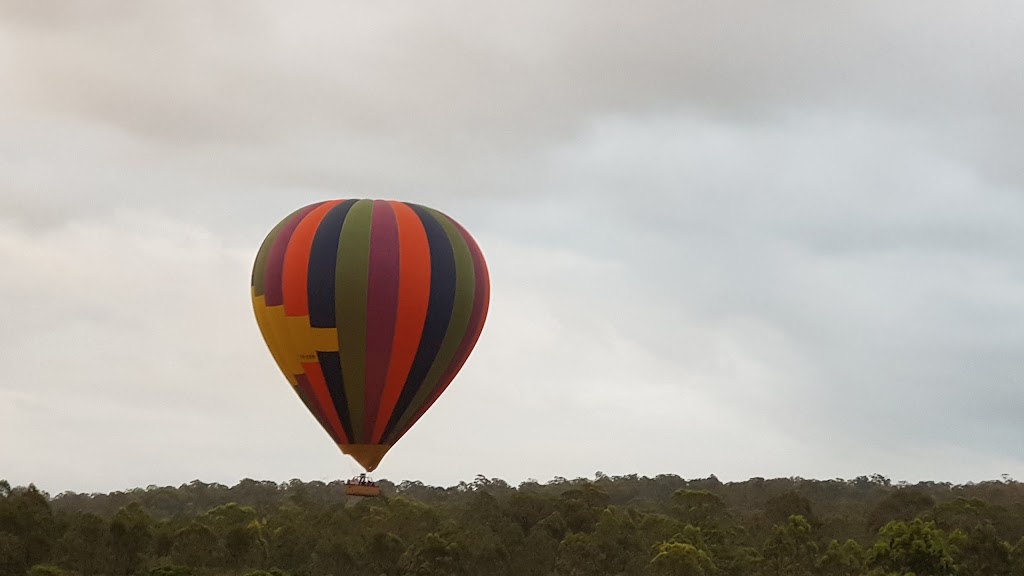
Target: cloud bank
(724, 238)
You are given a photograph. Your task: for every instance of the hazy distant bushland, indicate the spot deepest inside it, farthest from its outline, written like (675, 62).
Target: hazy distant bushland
(604, 526)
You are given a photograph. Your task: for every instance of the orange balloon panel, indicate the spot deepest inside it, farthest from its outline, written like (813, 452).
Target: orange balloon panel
(370, 308)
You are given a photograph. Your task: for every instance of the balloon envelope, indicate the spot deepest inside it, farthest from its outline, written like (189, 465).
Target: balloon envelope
(370, 308)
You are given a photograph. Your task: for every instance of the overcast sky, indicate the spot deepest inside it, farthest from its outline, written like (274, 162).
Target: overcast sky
(731, 238)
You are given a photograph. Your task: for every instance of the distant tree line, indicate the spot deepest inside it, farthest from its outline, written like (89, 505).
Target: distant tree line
(604, 526)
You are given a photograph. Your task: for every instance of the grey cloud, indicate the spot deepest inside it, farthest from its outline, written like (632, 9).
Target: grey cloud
(790, 232)
(886, 277)
(456, 101)
(446, 73)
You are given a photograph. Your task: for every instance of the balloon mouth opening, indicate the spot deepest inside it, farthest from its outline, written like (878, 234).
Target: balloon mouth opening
(367, 455)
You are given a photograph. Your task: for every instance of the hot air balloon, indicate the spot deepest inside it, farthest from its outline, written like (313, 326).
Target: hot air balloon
(370, 308)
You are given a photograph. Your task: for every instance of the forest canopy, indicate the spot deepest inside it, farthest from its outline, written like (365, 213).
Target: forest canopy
(606, 525)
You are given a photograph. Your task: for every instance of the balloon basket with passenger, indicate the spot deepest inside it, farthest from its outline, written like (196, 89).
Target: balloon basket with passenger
(362, 486)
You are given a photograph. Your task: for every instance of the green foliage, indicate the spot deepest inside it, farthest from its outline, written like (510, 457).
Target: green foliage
(983, 552)
(681, 559)
(915, 547)
(700, 507)
(433, 556)
(131, 534)
(46, 570)
(905, 504)
(846, 559)
(791, 550)
(171, 571)
(610, 525)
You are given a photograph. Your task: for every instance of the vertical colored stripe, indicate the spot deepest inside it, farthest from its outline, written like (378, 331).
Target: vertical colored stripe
(439, 312)
(305, 392)
(330, 364)
(259, 297)
(413, 300)
(322, 396)
(381, 308)
(296, 307)
(351, 294)
(296, 261)
(481, 304)
(320, 289)
(259, 267)
(323, 261)
(275, 259)
(461, 312)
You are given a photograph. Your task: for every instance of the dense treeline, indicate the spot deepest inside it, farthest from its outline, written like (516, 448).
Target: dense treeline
(603, 526)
